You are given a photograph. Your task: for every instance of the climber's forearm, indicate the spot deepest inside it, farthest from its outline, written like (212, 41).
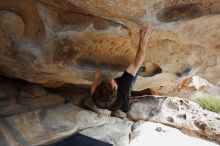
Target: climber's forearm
(140, 55)
(93, 86)
(139, 58)
(95, 81)
(141, 52)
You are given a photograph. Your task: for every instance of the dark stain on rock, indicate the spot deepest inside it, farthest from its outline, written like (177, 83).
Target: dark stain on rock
(3, 141)
(72, 17)
(188, 11)
(187, 70)
(147, 91)
(173, 106)
(182, 116)
(181, 102)
(14, 131)
(217, 46)
(74, 21)
(42, 114)
(201, 125)
(170, 119)
(217, 118)
(101, 24)
(4, 103)
(65, 51)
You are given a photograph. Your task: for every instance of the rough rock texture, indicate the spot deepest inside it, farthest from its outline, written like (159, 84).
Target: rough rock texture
(52, 42)
(19, 96)
(55, 42)
(142, 109)
(116, 133)
(61, 44)
(196, 84)
(183, 114)
(89, 104)
(169, 85)
(48, 125)
(32, 115)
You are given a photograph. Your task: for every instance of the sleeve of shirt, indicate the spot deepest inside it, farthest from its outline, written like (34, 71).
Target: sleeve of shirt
(125, 107)
(125, 81)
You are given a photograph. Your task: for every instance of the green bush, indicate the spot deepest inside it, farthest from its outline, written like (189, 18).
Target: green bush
(208, 102)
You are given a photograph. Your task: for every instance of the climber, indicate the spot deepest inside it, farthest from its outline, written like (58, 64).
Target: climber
(113, 94)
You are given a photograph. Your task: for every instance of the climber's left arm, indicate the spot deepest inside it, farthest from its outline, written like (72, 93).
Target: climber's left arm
(95, 81)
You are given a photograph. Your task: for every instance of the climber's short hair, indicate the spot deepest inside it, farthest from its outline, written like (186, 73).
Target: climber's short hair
(104, 96)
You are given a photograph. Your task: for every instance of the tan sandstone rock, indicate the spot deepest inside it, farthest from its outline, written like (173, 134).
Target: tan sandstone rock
(56, 42)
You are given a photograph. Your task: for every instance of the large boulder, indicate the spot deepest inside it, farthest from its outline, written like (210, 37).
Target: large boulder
(33, 115)
(48, 125)
(52, 42)
(19, 96)
(156, 134)
(183, 114)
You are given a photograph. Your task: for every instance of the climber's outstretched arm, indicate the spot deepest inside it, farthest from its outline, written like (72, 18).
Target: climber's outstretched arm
(95, 81)
(140, 55)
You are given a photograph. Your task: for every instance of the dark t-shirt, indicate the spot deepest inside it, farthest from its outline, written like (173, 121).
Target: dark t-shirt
(124, 84)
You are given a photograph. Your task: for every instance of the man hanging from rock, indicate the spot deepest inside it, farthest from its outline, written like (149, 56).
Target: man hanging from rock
(113, 94)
